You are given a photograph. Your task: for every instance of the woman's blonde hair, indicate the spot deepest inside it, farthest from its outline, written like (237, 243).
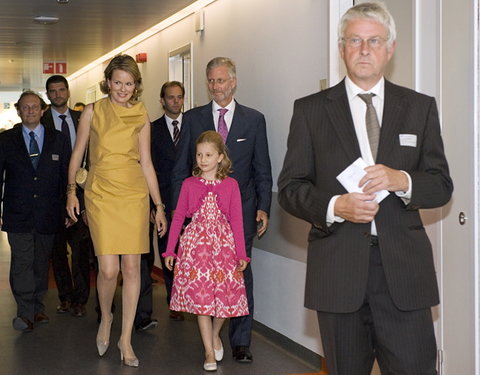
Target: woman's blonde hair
(127, 64)
(225, 166)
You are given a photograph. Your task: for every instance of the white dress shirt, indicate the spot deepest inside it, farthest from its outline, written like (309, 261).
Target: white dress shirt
(58, 124)
(358, 109)
(170, 126)
(228, 116)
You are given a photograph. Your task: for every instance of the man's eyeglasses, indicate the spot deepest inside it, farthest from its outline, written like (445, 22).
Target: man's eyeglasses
(356, 42)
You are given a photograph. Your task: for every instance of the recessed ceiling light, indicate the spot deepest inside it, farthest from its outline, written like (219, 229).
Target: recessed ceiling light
(46, 20)
(63, 1)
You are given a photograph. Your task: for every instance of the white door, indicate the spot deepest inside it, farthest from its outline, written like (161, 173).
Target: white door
(459, 260)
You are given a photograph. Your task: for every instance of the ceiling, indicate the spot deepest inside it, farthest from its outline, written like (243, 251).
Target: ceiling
(86, 30)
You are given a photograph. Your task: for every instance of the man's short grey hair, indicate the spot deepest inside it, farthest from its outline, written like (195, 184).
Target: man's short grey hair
(223, 61)
(375, 11)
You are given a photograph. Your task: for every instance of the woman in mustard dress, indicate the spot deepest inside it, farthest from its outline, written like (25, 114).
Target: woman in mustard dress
(120, 178)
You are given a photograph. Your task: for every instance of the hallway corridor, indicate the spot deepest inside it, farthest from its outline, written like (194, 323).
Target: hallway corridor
(66, 346)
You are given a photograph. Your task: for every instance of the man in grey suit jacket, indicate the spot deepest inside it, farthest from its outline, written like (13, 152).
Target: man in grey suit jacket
(370, 270)
(73, 284)
(248, 150)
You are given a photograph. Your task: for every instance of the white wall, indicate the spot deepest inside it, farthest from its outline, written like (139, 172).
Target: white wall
(280, 48)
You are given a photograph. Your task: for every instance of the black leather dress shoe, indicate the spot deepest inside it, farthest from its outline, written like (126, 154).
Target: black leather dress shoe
(146, 324)
(63, 308)
(242, 354)
(78, 310)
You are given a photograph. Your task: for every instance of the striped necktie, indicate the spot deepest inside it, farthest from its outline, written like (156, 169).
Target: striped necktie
(176, 132)
(34, 150)
(371, 121)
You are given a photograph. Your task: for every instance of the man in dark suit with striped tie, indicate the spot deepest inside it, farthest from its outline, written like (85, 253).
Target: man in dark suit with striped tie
(244, 132)
(370, 269)
(165, 134)
(33, 179)
(73, 283)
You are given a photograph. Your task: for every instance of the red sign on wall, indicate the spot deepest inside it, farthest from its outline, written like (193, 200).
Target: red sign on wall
(61, 68)
(48, 68)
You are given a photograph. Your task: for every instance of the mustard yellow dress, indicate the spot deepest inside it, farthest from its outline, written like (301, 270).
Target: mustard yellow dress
(116, 192)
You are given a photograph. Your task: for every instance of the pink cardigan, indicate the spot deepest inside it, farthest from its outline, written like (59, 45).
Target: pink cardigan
(191, 196)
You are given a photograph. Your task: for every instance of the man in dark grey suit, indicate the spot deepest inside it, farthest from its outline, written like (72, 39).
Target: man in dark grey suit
(246, 139)
(370, 270)
(165, 135)
(33, 179)
(73, 284)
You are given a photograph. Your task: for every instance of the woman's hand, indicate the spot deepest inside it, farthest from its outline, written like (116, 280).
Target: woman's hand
(73, 206)
(169, 262)
(243, 264)
(161, 222)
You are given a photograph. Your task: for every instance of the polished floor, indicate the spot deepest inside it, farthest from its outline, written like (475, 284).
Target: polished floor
(67, 344)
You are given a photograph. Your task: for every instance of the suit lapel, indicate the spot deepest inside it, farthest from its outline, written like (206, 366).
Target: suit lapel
(338, 111)
(207, 117)
(47, 146)
(238, 123)
(393, 109)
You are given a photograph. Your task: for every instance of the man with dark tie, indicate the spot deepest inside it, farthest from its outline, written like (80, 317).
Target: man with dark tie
(73, 283)
(165, 134)
(33, 179)
(370, 269)
(244, 132)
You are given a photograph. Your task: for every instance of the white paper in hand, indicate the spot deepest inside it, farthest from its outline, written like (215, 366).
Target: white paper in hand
(351, 176)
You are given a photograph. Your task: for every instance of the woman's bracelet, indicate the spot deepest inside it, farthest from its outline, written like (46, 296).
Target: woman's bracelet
(71, 188)
(160, 205)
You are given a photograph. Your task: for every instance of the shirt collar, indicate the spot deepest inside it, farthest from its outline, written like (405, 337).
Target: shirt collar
(170, 120)
(39, 130)
(353, 90)
(230, 106)
(56, 113)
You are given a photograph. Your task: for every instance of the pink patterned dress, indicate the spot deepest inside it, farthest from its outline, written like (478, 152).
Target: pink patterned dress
(206, 281)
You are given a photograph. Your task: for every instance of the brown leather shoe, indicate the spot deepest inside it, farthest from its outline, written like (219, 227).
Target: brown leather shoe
(78, 310)
(63, 308)
(176, 316)
(22, 324)
(41, 318)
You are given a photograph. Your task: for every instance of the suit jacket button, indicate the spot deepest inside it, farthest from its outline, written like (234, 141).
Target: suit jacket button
(35, 178)
(35, 195)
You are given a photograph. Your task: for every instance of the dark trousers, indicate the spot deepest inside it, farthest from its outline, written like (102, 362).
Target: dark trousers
(145, 299)
(30, 254)
(240, 329)
(403, 342)
(73, 284)
(167, 274)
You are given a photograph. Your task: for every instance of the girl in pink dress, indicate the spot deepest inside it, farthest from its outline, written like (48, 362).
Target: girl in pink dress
(208, 278)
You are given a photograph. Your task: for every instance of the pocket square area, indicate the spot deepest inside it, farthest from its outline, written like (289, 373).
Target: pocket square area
(409, 140)
(241, 139)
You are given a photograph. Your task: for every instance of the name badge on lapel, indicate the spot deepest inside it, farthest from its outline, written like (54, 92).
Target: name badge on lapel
(409, 140)
(55, 157)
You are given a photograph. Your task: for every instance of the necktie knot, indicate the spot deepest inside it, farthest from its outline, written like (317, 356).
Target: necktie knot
(62, 117)
(222, 125)
(367, 98)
